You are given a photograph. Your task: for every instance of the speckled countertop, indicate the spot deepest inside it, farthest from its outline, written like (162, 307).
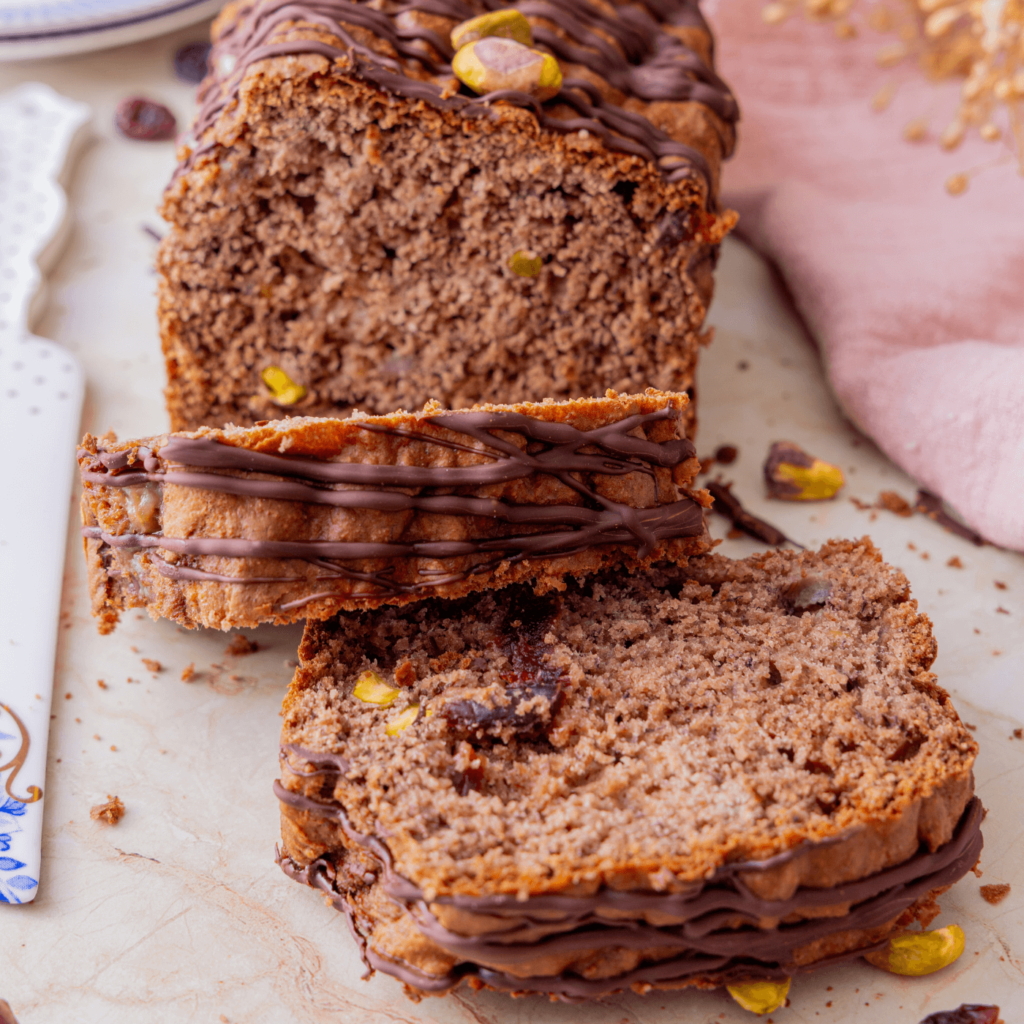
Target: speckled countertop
(179, 913)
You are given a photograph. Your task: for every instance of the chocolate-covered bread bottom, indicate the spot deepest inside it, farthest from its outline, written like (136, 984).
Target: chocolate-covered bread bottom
(718, 931)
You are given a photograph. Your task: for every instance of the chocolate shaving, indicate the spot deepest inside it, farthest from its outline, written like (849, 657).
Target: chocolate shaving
(728, 505)
(931, 505)
(965, 1013)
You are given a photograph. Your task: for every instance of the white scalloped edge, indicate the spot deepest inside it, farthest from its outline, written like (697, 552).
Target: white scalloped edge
(41, 388)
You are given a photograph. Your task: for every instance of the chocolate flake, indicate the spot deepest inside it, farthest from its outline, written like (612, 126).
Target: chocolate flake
(728, 505)
(931, 505)
(965, 1013)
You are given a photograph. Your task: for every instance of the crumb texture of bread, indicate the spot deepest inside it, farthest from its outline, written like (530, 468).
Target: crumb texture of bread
(300, 518)
(701, 717)
(360, 240)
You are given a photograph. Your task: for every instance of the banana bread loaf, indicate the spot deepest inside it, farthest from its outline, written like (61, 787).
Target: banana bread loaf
(351, 216)
(693, 775)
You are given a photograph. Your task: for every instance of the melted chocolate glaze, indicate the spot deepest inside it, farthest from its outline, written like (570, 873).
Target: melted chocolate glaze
(652, 65)
(708, 939)
(310, 480)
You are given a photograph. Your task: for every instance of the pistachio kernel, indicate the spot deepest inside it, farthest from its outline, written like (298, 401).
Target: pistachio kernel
(792, 475)
(283, 388)
(507, 24)
(760, 996)
(917, 953)
(525, 263)
(495, 63)
(403, 721)
(370, 688)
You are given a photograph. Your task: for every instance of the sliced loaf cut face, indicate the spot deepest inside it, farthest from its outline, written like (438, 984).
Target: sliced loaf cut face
(300, 518)
(679, 776)
(349, 213)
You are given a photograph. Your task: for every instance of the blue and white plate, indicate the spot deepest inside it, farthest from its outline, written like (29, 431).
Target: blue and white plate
(45, 28)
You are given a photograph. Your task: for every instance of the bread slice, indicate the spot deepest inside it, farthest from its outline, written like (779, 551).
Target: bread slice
(691, 775)
(302, 517)
(348, 212)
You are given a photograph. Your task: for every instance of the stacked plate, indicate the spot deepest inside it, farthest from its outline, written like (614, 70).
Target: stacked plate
(44, 28)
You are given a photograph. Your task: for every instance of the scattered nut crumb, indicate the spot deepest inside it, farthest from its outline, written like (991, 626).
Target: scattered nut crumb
(152, 665)
(188, 673)
(1002, 611)
(1018, 734)
(925, 556)
(995, 654)
(96, 736)
(911, 545)
(405, 674)
(892, 502)
(955, 563)
(978, 631)
(971, 727)
(67, 696)
(995, 893)
(111, 812)
(241, 644)
(134, 649)
(1000, 585)
(102, 685)
(112, 747)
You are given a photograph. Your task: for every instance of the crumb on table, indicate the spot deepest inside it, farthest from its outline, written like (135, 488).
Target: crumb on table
(995, 893)
(111, 812)
(188, 673)
(152, 665)
(241, 644)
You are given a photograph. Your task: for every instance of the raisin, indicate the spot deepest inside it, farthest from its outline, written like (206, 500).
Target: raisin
(965, 1013)
(190, 62)
(529, 677)
(142, 119)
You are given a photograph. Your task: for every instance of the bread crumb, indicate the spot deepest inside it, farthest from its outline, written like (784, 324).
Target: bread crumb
(955, 563)
(188, 673)
(111, 812)
(892, 502)
(152, 665)
(995, 893)
(241, 644)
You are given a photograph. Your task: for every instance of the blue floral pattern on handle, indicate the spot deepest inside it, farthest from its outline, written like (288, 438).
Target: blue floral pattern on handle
(15, 885)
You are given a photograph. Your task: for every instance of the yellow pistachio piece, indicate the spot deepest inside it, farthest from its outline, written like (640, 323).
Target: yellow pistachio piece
(760, 996)
(494, 63)
(525, 263)
(283, 388)
(507, 23)
(403, 721)
(916, 953)
(793, 475)
(370, 688)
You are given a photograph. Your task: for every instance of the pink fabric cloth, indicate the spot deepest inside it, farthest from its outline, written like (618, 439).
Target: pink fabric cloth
(915, 297)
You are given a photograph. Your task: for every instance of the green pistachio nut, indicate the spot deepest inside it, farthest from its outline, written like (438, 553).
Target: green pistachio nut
(508, 23)
(525, 263)
(494, 64)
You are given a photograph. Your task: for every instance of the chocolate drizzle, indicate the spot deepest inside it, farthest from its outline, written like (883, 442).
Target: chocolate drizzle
(707, 936)
(556, 449)
(645, 62)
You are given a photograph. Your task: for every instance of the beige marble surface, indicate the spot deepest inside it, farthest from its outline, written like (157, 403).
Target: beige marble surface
(179, 914)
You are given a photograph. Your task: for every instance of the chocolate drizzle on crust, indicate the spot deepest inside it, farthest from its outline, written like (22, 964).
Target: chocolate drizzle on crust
(645, 62)
(709, 939)
(558, 450)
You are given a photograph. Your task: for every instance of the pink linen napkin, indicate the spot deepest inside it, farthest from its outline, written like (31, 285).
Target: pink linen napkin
(915, 297)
